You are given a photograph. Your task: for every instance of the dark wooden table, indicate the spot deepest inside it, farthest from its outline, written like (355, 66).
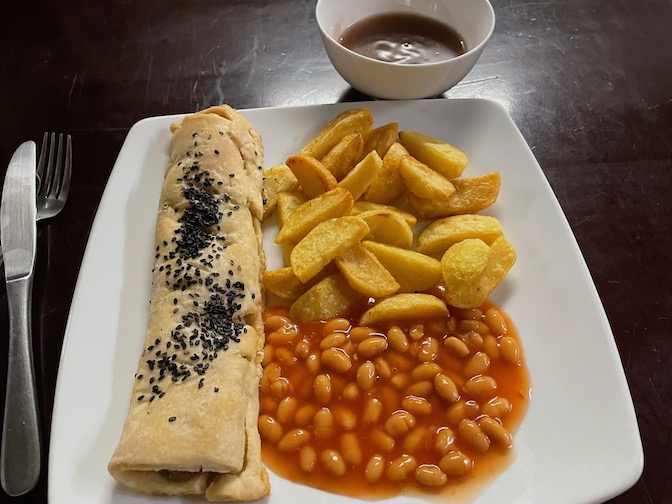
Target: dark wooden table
(588, 82)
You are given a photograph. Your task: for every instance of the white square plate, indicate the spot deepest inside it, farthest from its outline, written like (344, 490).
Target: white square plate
(579, 441)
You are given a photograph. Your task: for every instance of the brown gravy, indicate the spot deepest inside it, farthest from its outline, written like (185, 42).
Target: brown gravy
(403, 38)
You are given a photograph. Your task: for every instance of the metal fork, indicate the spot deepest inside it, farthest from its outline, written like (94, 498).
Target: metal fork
(53, 179)
(21, 405)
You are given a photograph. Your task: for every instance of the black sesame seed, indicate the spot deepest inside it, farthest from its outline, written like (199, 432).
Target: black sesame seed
(172, 419)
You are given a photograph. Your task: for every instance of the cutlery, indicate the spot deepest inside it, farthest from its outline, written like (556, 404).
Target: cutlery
(51, 200)
(20, 449)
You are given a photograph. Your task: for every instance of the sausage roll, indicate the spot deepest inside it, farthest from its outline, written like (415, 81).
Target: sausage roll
(192, 423)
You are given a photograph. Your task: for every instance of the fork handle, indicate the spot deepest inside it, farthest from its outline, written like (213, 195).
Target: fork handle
(20, 450)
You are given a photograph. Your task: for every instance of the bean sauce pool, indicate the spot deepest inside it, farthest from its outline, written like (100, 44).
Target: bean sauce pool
(403, 38)
(308, 429)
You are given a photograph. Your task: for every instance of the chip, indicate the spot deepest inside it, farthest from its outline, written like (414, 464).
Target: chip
(313, 177)
(380, 139)
(364, 206)
(277, 179)
(402, 307)
(440, 156)
(364, 272)
(422, 181)
(440, 235)
(328, 298)
(388, 186)
(343, 124)
(388, 227)
(344, 155)
(360, 177)
(284, 284)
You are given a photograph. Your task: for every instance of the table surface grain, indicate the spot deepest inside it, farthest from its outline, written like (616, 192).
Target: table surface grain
(588, 83)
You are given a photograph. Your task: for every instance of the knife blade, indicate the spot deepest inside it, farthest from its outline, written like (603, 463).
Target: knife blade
(20, 457)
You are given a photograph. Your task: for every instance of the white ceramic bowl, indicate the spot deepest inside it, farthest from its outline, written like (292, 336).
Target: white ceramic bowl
(473, 19)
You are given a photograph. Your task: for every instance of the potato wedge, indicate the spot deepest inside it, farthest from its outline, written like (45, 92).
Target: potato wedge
(344, 155)
(404, 306)
(440, 156)
(415, 272)
(388, 186)
(422, 181)
(277, 179)
(287, 203)
(360, 177)
(323, 243)
(334, 203)
(328, 298)
(440, 235)
(364, 206)
(471, 270)
(313, 178)
(380, 139)
(343, 124)
(471, 196)
(284, 284)
(388, 227)
(364, 272)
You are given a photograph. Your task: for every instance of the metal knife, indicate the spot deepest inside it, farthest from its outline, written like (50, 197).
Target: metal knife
(20, 457)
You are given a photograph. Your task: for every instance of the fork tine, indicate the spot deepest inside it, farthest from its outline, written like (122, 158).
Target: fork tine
(58, 170)
(42, 161)
(49, 173)
(67, 171)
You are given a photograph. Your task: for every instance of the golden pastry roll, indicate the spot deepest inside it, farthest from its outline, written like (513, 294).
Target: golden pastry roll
(192, 422)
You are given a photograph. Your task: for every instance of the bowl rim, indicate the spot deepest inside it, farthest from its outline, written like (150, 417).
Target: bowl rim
(469, 53)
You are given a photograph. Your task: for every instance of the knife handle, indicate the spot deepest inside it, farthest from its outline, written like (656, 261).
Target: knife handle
(20, 456)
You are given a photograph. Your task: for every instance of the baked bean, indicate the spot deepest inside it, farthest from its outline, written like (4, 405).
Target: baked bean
(452, 324)
(456, 346)
(350, 448)
(269, 428)
(497, 407)
(399, 423)
(491, 347)
(461, 410)
(473, 325)
(351, 392)
(471, 433)
(425, 371)
(336, 324)
(415, 439)
(285, 356)
(474, 341)
(416, 332)
(293, 440)
(477, 364)
(333, 463)
(372, 410)
(287, 410)
(401, 380)
(397, 339)
(336, 359)
(282, 336)
(345, 418)
(360, 333)
(382, 440)
(279, 387)
(508, 349)
(496, 432)
(323, 388)
(416, 405)
(305, 414)
(313, 364)
(374, 469)
(324, 425)
(302, 349)
(275, 322)
(495, 322)
(366, 375)
(335, 339)
(307, 458)
(420, 389)
(382, 367)
(480, 386)
(371, 346)
(430, 475)
(401, 468)
(268, 355)
(268, 404)
(445, 440)
(468, 313)
(446, 388)
(455, 464)
(437, 327)
(271, 372)
(429, 350)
